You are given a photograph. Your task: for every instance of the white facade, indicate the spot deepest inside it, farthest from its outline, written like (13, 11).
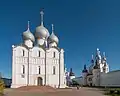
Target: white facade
(38, 62)
(92, 77)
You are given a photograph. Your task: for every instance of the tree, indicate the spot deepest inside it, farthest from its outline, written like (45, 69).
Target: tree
(2, 86)
(74, 83)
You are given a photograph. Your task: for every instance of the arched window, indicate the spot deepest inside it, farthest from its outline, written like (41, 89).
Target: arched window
(39, 53)
(23, 52)
(54, 54)
(39, 70)
(23, 69)
(53, 70)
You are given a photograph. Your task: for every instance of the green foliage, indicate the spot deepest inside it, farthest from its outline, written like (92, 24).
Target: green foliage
(74, 82)
(2, 86)
(112, 91)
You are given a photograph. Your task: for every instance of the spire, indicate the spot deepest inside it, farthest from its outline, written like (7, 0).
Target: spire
(98, 56)
(52, 28)
(92, 57)
(104, 57)
(28, 27)
(70, 69)
(92, 61)
(65, 65)
(98, 52)
(103, 54)
(97, 49)
(85, 67)
(42, 13)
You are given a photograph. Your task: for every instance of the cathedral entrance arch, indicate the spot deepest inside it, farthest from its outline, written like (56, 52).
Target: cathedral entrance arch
(39, 81)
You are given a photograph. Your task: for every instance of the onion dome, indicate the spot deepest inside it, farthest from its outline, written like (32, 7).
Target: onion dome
(98, 56)
(71, 73)
(85, 70)
(53, 37)
(27, 35)
(92, 61)
(41, 31)
(96, 65)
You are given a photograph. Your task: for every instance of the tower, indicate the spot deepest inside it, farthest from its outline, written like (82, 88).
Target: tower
(98, 60)
(96, 76)
(92, 65)
(72, 75)
(84, 75)
(105, 65)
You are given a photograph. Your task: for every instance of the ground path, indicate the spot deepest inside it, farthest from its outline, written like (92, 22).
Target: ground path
(59, 92)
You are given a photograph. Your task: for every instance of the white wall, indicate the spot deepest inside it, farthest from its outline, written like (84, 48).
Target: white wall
(52, 80)
(110, 79)
(34, 62)
(84, 78)
(89, 79)
(96, 77)
(17, 63)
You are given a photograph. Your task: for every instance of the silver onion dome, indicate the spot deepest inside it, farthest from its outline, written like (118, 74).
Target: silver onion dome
(98, 56)
(28, 35)
(53, 37)
(41, 31)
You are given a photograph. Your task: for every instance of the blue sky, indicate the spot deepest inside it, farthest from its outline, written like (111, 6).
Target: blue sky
(81, 25)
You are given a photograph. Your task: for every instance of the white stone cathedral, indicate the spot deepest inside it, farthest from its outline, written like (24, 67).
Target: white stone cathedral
(38, 60)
